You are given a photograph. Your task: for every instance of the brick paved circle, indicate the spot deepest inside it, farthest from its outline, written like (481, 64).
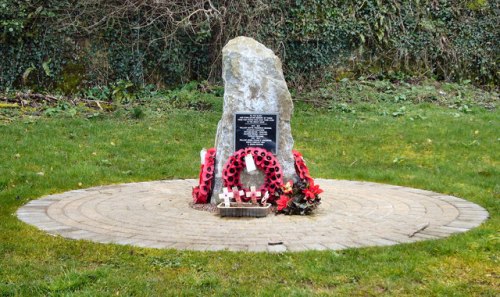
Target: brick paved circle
(156, 214)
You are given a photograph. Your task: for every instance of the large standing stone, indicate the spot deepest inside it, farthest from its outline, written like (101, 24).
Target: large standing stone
(253, 82)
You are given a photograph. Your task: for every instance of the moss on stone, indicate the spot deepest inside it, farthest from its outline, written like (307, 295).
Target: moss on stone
(72, 78)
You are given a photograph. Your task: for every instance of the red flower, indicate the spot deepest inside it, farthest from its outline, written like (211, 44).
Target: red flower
(312, 191)
(283, 202)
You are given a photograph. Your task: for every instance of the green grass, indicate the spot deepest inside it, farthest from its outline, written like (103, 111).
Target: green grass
(453, 95)
(425, 146)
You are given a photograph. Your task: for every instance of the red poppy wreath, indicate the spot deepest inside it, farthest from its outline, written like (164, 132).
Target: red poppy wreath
(301, 168)
(264, 160)
(204, 190)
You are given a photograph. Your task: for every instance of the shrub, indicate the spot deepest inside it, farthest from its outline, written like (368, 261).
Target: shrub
(69, 44)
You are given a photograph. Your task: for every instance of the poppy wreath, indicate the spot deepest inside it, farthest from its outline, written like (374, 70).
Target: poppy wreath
(204, 189)
(301, 168)
(264, 161)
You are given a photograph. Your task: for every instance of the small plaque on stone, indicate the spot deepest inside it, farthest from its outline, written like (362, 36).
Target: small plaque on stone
(256, 130)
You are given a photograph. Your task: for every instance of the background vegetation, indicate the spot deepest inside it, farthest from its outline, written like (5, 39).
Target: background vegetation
(71, 45)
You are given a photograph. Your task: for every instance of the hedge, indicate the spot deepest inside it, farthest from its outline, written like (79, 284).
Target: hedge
(74, 44)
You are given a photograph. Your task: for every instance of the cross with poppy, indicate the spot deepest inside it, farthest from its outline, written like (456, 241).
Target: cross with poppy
(253, 194)
(226, 195)
(237, 194)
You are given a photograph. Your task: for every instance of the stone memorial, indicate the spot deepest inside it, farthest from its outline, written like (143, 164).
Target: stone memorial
(253, 162)
(257, 110)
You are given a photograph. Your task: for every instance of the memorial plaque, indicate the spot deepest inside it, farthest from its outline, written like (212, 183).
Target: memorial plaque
(256, 130)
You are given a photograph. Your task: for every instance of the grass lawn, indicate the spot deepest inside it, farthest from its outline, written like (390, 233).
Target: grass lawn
(417, 145)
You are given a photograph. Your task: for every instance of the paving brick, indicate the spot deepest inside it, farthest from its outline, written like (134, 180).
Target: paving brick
(257, 248)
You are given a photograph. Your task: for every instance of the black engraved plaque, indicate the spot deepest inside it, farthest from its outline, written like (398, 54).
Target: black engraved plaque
(256, 130)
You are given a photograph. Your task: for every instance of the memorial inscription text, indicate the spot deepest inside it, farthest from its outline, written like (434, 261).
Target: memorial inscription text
(256, 130)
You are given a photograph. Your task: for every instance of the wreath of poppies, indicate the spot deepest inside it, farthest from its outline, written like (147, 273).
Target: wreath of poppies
(301, 168)
(264, 160)
(204, 190)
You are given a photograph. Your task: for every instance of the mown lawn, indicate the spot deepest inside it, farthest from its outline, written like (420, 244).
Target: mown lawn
(421, 146)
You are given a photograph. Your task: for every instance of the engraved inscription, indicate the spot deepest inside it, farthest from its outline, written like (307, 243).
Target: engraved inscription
(256, 130)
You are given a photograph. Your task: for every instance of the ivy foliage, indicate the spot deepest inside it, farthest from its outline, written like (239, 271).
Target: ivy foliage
(71, 44)
(31, 52)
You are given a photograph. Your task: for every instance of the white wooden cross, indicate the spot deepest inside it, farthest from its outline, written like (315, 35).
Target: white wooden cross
(237, 194)
(253, 194)
(226, 195)
(264, 199)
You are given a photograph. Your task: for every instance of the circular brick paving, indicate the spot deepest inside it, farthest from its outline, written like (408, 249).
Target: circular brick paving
(156, 214)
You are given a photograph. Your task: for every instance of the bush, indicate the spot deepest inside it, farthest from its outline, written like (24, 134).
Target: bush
(67, 44)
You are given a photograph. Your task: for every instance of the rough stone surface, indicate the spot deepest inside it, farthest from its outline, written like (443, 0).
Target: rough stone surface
(157, 215)
(253, 82)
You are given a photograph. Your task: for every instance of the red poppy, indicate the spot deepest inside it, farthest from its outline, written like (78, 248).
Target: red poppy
(283, 202)
(312, 191)
(196, 191)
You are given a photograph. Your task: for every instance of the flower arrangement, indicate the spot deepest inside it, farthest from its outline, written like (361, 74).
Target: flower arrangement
(301, 167)
(264, 161)
(299, 198)
(202, 192)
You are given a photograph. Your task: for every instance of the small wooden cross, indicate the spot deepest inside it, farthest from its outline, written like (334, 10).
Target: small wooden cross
(226, 195)
(253, 194)
(237, 194)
